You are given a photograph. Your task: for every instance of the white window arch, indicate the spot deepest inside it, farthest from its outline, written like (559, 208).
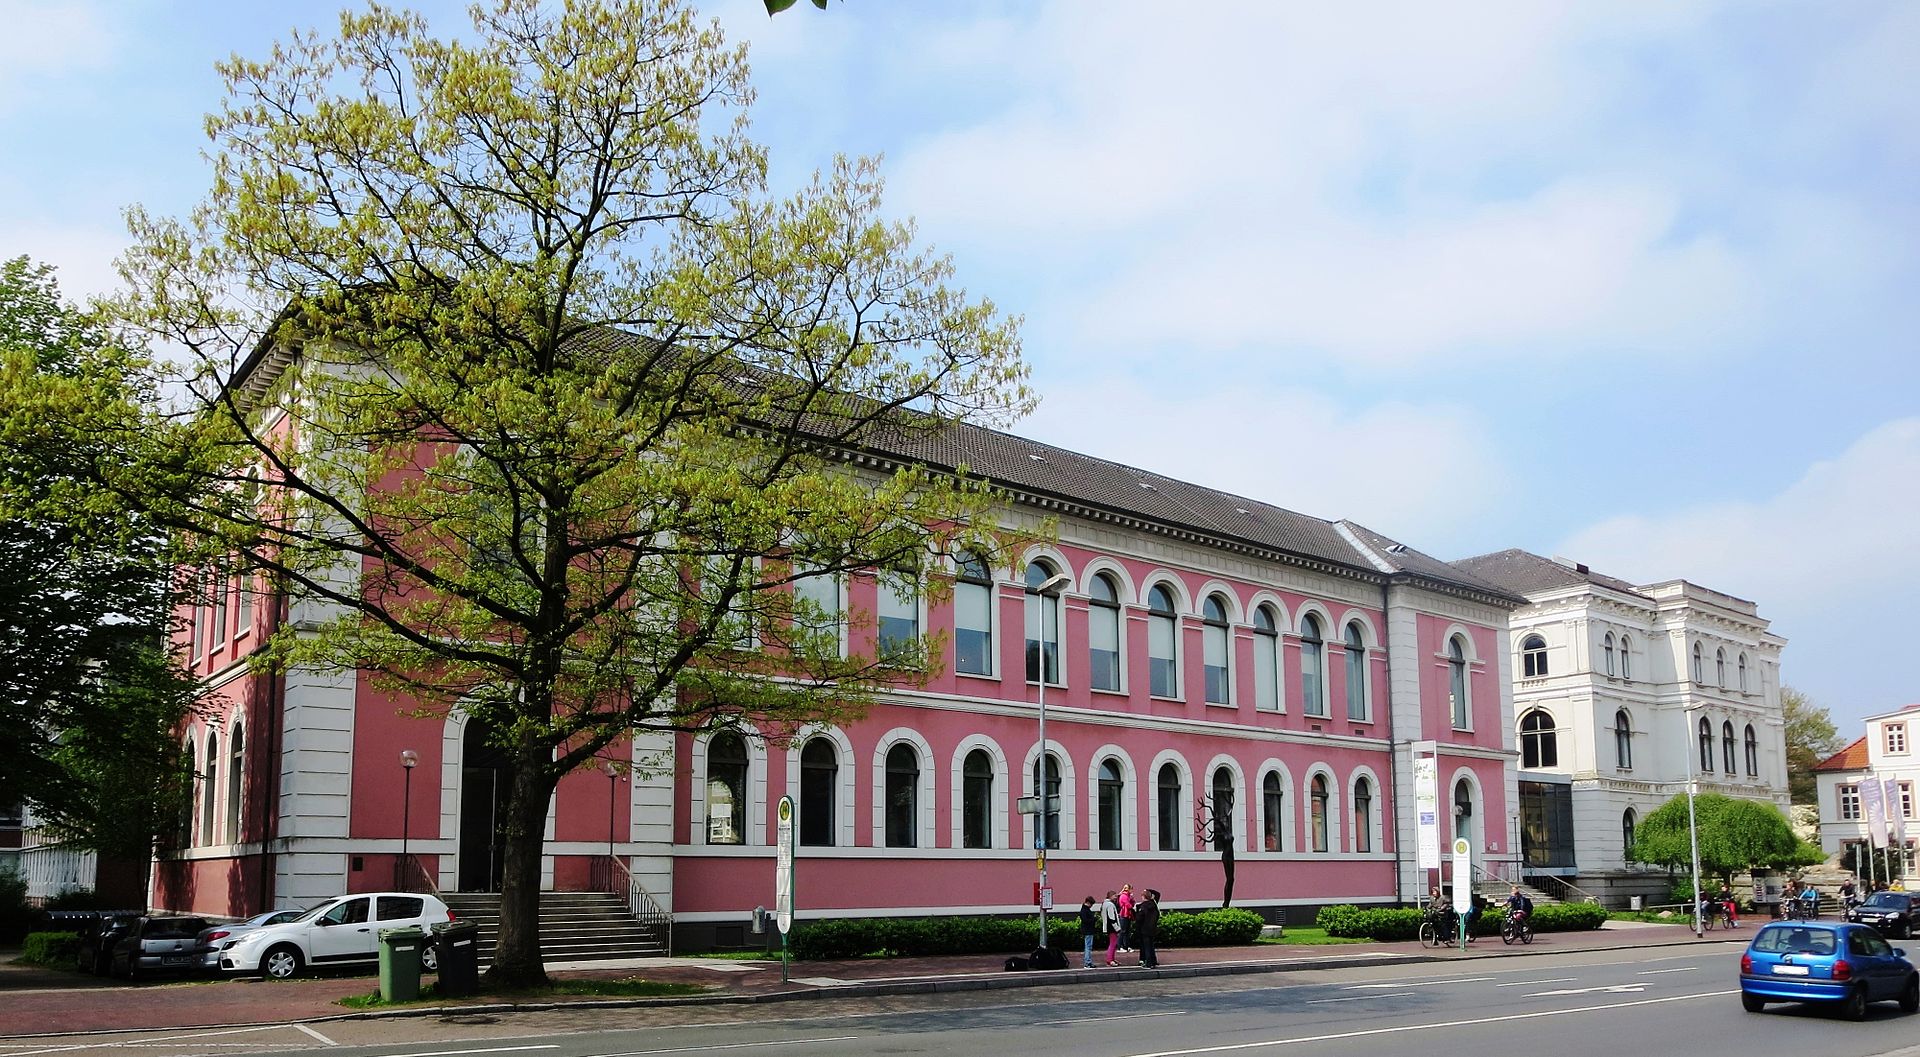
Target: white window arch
(1268, 664)
(1069, 801)
(210, 790)
(1359, 701)
(979, 795)
(888, 794)
(1463, 791)
(1325, 816)
(1459, 682)
(1216, 640)
(1276, 829)
(1368, 819)
(1236, 785)
(841, 789)
(236, 779)
(1313, 663)
(1163, 640)
(974, 604)
(1098, 807)
(1180, 836)
(715, 820)
(1106, 633)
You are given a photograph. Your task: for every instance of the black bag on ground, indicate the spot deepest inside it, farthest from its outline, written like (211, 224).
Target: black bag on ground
(1017, 964)
(1048, 958)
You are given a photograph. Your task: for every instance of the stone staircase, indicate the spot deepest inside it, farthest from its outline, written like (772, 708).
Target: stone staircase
(1496, 892)
(574, 926)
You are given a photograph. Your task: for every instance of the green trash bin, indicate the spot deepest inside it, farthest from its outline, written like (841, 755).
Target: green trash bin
(400, 964)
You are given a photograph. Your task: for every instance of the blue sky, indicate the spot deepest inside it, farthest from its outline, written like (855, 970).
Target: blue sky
(1625, 282)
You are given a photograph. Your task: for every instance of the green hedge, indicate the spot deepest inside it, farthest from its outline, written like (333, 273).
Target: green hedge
(49, 948)
(1391, 924)
(912, 937)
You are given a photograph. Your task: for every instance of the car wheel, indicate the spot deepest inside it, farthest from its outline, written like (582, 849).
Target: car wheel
(429, 958)
(1752, 1003)
(1910, 995)
(1903, 930)
(281, 963)
(1855, 1007)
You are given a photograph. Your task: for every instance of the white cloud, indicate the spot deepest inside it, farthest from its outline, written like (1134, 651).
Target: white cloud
(1417, 473)
(83, 254)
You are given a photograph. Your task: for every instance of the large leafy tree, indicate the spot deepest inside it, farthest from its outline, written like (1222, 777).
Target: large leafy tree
(1734, 835)
(1810, 737)
(89, 699)
(507, 367)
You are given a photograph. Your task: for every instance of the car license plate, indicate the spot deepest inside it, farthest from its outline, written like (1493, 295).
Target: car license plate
(1789, 970)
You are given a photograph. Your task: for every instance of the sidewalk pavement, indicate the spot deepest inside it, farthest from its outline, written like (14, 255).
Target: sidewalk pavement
(39, 1002)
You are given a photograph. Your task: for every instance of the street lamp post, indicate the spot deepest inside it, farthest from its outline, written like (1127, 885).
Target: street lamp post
(1693, 831)
(408, 760)
(1049, 588)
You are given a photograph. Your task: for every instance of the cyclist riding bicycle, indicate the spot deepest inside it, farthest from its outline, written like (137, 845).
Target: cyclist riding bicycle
(1518, 905)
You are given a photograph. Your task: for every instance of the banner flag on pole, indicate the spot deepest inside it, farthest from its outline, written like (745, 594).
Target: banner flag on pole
(1873, 806)
(1896, 810)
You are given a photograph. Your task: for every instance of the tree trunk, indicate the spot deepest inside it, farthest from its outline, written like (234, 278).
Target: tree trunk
(1226, 867)
(516, 959)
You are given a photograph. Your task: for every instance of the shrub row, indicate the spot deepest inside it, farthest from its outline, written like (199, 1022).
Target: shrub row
(910, 937)
(49, 948)
(1389, 924)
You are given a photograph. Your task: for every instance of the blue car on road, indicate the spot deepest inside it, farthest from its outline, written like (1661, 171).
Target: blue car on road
(1843, 965)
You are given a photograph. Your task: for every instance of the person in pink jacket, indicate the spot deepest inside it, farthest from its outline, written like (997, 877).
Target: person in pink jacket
(1126, 917)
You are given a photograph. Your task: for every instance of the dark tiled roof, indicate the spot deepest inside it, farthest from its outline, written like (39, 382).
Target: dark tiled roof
(1405, 559)
(1851, 758)
(1525, 573)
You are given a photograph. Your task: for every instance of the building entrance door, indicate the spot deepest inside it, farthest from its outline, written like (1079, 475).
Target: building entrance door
(483, 800)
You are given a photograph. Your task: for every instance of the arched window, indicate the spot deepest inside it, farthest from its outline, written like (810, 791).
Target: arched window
(1706, 744)
(817, 608)
(976, 810)
(1627, 821)
(727, 789)
(1273, 805)
(1699, 664)
(1169, 790)
(1457, 683)
(1626, 657)
(1539, 742)
(1743, 673)
(973, 615)
(1462, 807)
(236, 793)
(1113, 791)
(1623, 739)
(1720, 668)
(1103, 633)
(1753, 753)
(1215, 640)
(903, 796)
(1726, 748)
(1266, 660)
(1606, 653)
(1356, 673)
(1049, 789)
(1222, 797)
(1533, 656)
(1163, 672)
(819, 788)
(1043, 624)
(1313, 661)
(897, 614)
(1318, 811)
(209, 787)
(1362, 815)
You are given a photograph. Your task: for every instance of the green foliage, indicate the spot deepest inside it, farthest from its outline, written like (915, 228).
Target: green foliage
(1220, 927)
(914, 937)
(774, 7)
(49, 948)
(1567, 917)
(1734, 836)
(1393, 924)
(1810, 738)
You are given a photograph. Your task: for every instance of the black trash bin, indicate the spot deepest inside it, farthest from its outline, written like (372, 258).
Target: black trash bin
(457, 945)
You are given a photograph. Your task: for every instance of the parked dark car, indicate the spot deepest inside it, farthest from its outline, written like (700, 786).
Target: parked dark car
(159, 945)
(1894, 914)
(99, 931)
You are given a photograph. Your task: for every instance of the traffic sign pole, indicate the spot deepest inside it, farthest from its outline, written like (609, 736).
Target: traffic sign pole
(783, 881)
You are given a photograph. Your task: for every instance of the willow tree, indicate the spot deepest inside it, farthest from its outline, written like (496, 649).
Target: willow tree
(508, 368)
(1734, 835)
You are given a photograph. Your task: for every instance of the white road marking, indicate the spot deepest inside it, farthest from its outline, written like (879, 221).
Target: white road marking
(1610, 989)
(1368, 1032)
(1531, 983)
(489, 1049)
(723, 1046)
(1681, 969)
(1359, 998)
(133, 1031)
(1123, 1016)
(1419, 983)
(317, 1035)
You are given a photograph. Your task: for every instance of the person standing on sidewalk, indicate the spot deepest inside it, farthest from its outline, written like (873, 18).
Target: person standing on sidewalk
(1126, 917)
(1146, 921)
(1110, 922)
(1089, 928)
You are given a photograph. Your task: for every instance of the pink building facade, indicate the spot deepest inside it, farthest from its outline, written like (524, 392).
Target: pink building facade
(1205, 649)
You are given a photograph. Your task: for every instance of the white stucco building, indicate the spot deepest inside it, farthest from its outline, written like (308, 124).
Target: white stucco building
(1618, 691)
(1885, 751)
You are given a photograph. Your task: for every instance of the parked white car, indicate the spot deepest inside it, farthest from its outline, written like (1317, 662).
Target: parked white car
(343, 931)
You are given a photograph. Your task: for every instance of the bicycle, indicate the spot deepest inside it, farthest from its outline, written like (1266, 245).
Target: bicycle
(1794, 909)
(1713, 915)
(1439, 928)
(1516, 927)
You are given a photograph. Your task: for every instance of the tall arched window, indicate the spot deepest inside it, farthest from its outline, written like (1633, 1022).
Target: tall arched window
(1743, 673)
(1313, 661)
(1273, 806)
(1699, 664)
(1457, 683)
(1163, 672)
(726, 789)
(1362, 815)
(209, 788)
(1266, 660)
(1753, 753)
(1539, 742)
(1113, 791)
(1606, 653)
(1726, 748)
(1706, 744)
(1103, 633)
(1626, 657)
(1627, 821)
(973, 615)
(1720, 668)
(1317, 792)
(1048, 787)
(1533, 656)
(1356, 673)
(816, 606)
(903, 796)
(1043, 624)
(976, 794)
(1222, 795)
(1169, 791)
(236, 770)
(819, 788)
(1215, 640)
(1623, 739)
(1462, 807)
(897, 614)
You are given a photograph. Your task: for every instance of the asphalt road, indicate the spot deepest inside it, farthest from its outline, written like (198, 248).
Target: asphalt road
(1606, 1004)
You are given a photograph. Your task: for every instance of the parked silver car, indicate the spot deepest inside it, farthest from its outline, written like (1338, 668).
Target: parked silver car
(157, 945)
(217, 938)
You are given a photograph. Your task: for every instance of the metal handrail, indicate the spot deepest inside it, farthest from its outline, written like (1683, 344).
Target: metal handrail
(1585, 896)
(641, 904)
(407, 869)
